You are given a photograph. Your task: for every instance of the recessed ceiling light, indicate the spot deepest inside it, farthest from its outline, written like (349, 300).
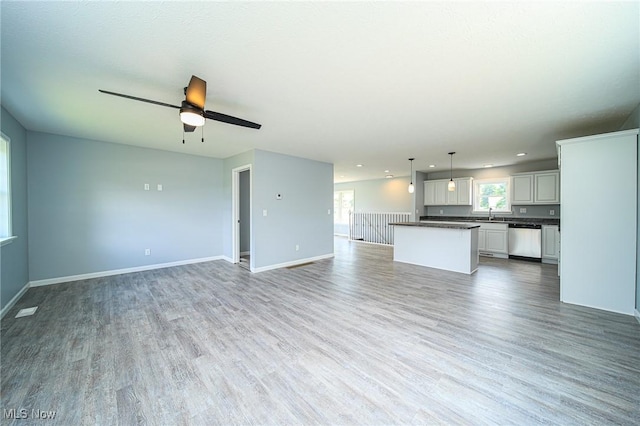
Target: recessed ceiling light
(486, 166)
(358, 165)
(386, 171)
(521, 154)
(431, 166)
(388, 176)
(341, 175)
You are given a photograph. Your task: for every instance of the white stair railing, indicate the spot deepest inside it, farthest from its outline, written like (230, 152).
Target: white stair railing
(374, 227)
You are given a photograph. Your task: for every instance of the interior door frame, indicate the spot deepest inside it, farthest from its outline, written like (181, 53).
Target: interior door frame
(235, 214)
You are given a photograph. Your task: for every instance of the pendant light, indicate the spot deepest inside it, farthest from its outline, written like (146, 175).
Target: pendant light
(411, 187)
(452, 184)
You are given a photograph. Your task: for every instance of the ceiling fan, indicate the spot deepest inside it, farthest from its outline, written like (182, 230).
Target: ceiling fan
(192, 112)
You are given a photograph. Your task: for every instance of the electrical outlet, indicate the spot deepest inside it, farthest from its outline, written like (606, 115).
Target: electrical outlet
(159, 187)
(264, 212)
(329, 211)
(441, 211)
(552, 212)
(146, 186)
(297, 247)
(147, 252)
(523, 209)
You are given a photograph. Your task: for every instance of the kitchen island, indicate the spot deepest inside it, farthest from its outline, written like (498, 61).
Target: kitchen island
(444, 245)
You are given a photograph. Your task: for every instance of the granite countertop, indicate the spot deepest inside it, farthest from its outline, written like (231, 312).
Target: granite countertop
(449, 225)
(499, 219)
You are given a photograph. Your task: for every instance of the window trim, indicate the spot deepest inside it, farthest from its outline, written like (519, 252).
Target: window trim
(477, 182)
(9, 237)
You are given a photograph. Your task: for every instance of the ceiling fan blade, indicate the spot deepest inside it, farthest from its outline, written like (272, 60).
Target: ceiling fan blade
(196, 92)
(138, 99)
(212, 115)
(188, 128)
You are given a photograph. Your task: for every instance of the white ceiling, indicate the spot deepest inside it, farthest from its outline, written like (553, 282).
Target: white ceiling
(347, 83)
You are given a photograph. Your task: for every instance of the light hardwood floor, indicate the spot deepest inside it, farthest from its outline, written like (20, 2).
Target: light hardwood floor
(357, 339)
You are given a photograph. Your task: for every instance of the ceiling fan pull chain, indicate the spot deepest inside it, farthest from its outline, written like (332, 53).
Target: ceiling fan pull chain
(202, 134)
(182, 136)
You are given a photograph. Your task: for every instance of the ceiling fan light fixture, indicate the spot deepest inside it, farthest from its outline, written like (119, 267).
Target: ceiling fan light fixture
(191, 115)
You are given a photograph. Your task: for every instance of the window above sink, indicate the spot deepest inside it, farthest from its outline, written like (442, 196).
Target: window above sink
(492, 194)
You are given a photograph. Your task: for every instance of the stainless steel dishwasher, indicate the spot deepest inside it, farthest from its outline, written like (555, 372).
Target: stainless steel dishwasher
(525, 241)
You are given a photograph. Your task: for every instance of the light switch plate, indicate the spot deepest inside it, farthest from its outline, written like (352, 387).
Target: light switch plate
(146, 186)
(264, 212)
(159, 187)
(523, 209)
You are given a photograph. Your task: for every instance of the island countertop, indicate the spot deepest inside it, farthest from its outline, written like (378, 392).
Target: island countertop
(449, 225)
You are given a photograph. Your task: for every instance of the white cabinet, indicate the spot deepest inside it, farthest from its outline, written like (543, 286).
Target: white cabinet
(493, 239)
(550, 242)
(522, 189)
(436, 192)
(464, 189)
(536, 188)
(482, 240)
(546, 188)
(440, 193)
(496, 241)
(429, 192)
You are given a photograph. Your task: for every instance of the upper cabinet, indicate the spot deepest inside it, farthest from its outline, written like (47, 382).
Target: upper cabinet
(546, 188)
(522, 189)
(436, 192)
(536, 188)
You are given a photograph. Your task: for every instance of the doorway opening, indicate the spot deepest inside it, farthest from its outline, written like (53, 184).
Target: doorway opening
(241, 213)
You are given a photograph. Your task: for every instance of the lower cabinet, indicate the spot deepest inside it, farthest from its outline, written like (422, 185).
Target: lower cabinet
(493, 240)
(550, 243)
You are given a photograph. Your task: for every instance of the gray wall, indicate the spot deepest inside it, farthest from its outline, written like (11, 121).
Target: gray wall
(304, 215)
(245, 212)
(378, 196)
(14, 263)
(418, 196)
(532, 211)
(89, 212)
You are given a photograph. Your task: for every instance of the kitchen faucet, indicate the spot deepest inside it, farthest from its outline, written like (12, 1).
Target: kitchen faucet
(490, 218)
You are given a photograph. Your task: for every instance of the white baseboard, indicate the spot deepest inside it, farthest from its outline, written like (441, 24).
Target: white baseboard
(245, 253)
(59, 280)
(637, 315)
(292, 263)
(13, 301)
(227, 258)
(601, 308)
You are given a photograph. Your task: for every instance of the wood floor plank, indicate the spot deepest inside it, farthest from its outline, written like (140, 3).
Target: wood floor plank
(357, 339)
